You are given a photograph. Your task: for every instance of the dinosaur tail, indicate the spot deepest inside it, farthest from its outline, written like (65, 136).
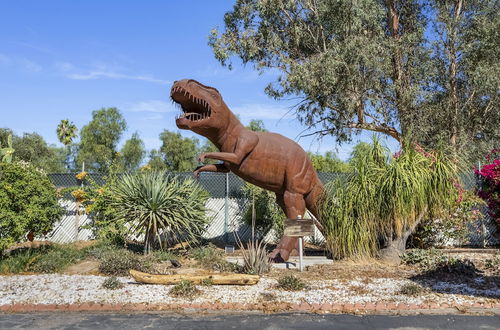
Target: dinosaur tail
(313, 202)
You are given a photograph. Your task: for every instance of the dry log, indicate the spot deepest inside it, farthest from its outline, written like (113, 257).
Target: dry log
(217, 279)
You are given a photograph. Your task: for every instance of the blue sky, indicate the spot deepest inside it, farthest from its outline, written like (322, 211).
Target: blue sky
(63, 59)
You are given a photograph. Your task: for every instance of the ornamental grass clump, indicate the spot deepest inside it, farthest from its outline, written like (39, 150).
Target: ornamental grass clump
(161, 207)
(381, 203)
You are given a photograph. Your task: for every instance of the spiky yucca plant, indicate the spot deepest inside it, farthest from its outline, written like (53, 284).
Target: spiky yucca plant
(255, 259)
(154, 203)
(384, 199)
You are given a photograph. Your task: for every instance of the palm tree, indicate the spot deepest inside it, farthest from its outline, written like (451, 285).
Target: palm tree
(66, 132)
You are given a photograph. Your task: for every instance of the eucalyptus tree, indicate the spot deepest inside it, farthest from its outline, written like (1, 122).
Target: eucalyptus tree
(393, 67)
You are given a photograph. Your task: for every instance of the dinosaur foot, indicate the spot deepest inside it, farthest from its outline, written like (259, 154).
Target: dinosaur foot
(285, 248)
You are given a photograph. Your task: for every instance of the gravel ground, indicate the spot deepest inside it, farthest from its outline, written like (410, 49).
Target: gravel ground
(68, 289)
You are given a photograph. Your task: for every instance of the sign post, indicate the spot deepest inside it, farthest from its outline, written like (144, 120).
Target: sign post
(299, 228)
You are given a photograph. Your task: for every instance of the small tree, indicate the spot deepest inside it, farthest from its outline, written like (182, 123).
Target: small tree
(28, 202)
(382, 202)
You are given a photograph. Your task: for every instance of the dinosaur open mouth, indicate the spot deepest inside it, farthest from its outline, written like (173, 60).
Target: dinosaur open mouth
(193, 108)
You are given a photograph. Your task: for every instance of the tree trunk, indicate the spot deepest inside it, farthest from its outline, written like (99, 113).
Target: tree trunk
(396, 247)
(217, 279)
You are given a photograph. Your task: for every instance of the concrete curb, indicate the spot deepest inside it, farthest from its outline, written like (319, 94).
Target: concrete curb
(267, 307)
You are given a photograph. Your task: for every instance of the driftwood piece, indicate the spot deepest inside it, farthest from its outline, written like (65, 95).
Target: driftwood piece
(217, 279)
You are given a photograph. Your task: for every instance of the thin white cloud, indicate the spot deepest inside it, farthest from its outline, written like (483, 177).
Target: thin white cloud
(262, 111)
(29, 66)
(22, 63)
(157, 106)
(113, 75)
(102, 72)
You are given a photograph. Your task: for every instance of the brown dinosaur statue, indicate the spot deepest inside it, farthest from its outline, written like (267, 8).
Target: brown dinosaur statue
(268, 160)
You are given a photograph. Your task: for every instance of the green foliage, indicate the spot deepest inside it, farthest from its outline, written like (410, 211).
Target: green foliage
(256, 125)
(97, 202)
(99, 138)
(45, 259)
(437, 232)
(56, 259)
(411, 289)
(255, 259)
(32, 148)
(329, 162)
(185, 289)
(212, 258)
(435, 262)
(66, 132)
(430, 67)
(424, 259)
(112, 283)
(28, 202)
(132, 153)
(291, 283)
(7, 151)
(267, 212)
(179, 153)
(156, 204)
(386, 198)
(118, 262)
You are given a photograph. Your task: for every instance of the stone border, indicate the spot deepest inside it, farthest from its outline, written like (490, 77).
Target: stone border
(267, 307)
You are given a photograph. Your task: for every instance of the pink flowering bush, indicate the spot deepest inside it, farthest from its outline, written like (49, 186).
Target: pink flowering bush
(489, 190)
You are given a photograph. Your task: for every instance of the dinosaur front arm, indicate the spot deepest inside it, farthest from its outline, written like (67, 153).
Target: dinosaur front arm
(210, 168)
(243, 147)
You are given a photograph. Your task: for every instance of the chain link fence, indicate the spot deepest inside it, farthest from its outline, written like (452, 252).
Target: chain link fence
(226, 208)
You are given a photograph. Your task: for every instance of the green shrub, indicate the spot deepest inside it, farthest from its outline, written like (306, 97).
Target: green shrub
(267, 212)
(411, 289)
(28, 202)
(98, 203)
(425, 259)
(155, 204)
(291, 283)
(112, 283)
(212, 258)
(433, 261)
(45, 259)
(120, 261)
(185, 289)
(56, 259)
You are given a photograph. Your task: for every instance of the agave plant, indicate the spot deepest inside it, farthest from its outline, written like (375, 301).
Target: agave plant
(156, 204)
(6, 153)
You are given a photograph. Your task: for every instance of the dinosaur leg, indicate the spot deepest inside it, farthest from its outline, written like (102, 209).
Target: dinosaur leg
(293, 205)
(210, 168)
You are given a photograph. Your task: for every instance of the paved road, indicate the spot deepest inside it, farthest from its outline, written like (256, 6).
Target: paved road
(124, 321)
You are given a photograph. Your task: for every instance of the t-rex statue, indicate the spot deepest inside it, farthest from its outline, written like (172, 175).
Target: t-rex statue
(268, 160)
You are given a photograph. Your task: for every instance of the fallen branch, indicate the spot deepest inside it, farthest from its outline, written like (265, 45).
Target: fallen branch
(217, 279)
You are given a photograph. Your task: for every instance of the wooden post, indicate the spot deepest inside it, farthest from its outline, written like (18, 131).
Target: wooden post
(299, 228)
(301, 253)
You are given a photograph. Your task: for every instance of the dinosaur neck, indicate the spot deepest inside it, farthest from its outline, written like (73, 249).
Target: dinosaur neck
(226, 135)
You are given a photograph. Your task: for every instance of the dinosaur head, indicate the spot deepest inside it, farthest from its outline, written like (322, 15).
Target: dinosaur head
(203, 109)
